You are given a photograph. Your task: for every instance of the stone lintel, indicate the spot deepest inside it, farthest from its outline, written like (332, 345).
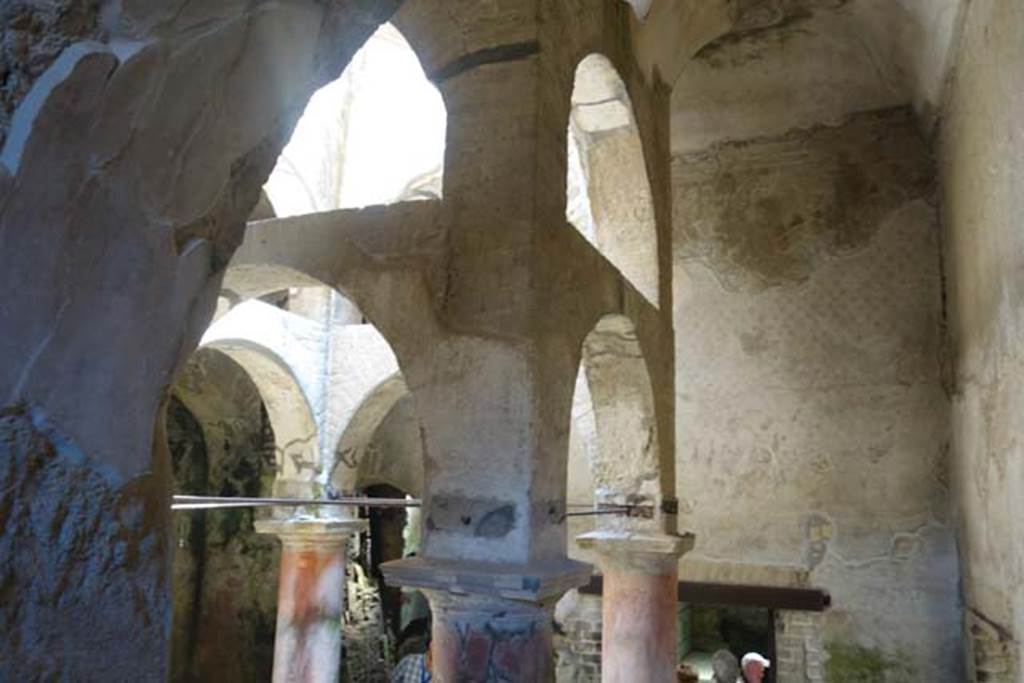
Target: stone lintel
(649, 552)
(536, 582)
(311, 531)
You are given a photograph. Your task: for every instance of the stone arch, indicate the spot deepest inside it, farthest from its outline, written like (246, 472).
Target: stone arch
(297, 452)
(220, 443)
(359, 464)
(395, 453)
(609, 196)
(208, 381)
(249, 281)
(440, 37)
(614, 444)
(264, 209)
(366, 135)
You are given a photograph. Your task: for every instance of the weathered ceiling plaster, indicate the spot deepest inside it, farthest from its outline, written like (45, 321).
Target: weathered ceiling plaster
(798, 63)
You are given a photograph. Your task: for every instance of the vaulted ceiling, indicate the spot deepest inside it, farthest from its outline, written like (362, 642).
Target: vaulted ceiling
(786, 64)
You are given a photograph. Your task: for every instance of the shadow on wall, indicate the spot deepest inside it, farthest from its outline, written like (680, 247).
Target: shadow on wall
(224, 575)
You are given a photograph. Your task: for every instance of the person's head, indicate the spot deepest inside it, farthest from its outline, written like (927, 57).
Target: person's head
(687, 674)
(724, 667)
(753, 667)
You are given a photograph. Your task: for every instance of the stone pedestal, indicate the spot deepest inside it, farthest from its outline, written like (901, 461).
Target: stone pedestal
(310, 598)
(640, 596)
(492, 622)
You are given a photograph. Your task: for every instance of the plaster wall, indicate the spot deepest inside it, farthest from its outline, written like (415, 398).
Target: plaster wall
(811, 420)
(982, 174)
(797, 63)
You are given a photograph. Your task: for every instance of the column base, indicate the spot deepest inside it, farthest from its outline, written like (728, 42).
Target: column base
(535, 582)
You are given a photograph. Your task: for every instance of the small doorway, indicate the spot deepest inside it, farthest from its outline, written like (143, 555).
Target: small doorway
(705, 629)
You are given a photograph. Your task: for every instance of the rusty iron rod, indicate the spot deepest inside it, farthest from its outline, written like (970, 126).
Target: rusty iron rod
(180, 503)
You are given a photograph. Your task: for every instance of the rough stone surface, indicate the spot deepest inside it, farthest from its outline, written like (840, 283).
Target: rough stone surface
(578, 639)
(126, 175)
(34, 32)
(59, 552)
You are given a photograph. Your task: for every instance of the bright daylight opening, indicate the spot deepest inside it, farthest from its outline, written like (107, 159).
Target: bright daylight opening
(373, 136)
(608, 197)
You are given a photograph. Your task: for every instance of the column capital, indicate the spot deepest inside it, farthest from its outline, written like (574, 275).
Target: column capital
(537, 582)
(310, 531)
(638, 551)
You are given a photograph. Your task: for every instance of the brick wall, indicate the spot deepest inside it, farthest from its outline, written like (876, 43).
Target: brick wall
(991, 651)
(578, 639)
(799, 651)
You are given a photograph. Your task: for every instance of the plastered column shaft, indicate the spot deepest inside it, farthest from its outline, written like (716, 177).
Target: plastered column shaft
(639, 627)
(490, 639)
(640, 599)
(310, 599)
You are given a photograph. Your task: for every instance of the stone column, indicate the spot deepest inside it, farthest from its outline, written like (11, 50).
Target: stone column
(490, 622)
(310, 597)
(639, 599)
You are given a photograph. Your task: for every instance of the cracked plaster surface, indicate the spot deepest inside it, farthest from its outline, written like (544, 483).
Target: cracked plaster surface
(810, 401)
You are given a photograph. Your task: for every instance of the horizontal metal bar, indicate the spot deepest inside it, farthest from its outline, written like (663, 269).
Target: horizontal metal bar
(603, 511)
(216, 506)
(182, 502)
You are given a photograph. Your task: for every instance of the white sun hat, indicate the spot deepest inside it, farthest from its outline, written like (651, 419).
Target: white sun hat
(754, 657)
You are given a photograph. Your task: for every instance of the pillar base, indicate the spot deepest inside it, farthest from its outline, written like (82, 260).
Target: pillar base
(535, 582)
(491, 622)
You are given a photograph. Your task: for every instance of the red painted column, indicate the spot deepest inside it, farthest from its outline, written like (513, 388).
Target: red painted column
(639, 604)
(490, 639)
(491, 621)
(310, 597)
(638, 632)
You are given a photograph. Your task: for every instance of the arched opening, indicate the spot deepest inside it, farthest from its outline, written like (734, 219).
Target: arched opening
(613, 461)
(222, 584)
(313, 357)
(296, 448)
(360, 459)
(613, 437)
(374, 136)
(608, 195)
(380, 454)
